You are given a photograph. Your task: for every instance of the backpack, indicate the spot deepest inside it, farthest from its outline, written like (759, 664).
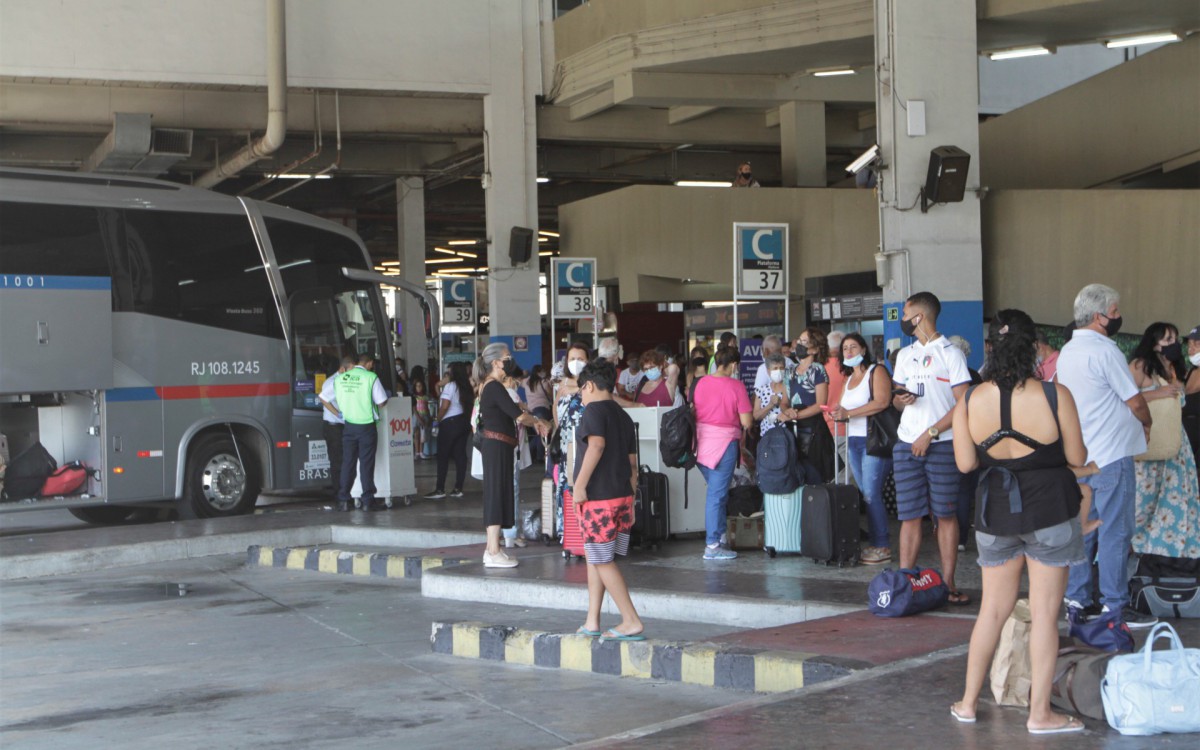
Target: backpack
(778, 467)
(27, 473)
(65, 480)
(677, 439)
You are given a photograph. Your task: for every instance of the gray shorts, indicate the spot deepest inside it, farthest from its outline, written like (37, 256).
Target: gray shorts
(1058, 546)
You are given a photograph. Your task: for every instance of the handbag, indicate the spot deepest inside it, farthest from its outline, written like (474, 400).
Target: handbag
(1166, 436)
(1151, 692)
(1106, 632)
(881, 427)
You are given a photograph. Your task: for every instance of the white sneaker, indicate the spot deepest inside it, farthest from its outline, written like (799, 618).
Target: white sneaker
(498, 560)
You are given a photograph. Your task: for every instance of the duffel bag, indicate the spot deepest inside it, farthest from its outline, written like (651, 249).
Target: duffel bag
(1106, 632)
(1077, 677)
(1165, 597)
(1151, 692)
(908, 591)
(65, 480)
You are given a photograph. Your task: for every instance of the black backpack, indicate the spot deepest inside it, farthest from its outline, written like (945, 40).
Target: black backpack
(27, 473)
(677, 439)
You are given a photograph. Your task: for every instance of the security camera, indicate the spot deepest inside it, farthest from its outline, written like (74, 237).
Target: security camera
(864, 160)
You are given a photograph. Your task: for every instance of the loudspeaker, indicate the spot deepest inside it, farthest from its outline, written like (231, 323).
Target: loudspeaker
(947, 178)
(520, 245)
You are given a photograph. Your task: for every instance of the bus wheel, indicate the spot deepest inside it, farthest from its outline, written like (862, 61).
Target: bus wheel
(217, 483)
(103, 515)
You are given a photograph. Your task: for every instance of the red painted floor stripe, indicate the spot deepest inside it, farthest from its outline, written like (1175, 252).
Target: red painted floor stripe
(236, 390)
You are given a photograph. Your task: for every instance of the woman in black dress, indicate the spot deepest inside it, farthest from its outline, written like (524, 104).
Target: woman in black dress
(498, 418)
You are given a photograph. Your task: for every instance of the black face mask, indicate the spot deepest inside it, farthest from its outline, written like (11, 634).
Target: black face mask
(1112, 326)
(908, 327)
(746, 175)
(510, 368)
(1172, 352)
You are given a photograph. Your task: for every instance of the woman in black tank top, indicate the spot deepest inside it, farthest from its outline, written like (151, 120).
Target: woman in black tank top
(1027, 502)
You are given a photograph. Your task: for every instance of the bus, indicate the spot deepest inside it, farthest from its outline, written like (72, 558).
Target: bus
(174, 340)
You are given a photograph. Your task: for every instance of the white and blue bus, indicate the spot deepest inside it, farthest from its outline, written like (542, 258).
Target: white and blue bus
(174, 339)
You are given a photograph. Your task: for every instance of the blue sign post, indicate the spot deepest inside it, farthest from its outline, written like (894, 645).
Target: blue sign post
(572, 292)
(760, 265)
(459, 305)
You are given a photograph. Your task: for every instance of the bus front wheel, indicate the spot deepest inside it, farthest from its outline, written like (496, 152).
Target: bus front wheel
(218, 483)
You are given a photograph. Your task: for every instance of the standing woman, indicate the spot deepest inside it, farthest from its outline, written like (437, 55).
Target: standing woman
(1191, 406)
(568, 410)
(867, 391)
(1167, 516)
(658, 387)
(499, 415)
(723, 415)
(454, 431)
(773, 399)
(809, 388)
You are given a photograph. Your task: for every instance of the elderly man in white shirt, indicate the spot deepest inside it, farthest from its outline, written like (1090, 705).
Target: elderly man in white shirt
(771, 345)
(1116, 423)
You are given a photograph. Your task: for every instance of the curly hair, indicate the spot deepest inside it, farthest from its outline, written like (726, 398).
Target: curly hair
(1013, 337)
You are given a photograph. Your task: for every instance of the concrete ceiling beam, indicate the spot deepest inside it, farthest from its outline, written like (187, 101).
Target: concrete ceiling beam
(592, 105)
(682, 114)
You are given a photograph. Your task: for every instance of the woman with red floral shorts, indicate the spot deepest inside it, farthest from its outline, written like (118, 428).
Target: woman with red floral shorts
(605, 480)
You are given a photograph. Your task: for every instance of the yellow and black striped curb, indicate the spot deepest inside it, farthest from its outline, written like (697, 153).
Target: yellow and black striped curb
(707, 664)
(345, 562)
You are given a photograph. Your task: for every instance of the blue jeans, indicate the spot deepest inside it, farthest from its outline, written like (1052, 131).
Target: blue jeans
(1114, 493)
(716, 497)
(869, 472)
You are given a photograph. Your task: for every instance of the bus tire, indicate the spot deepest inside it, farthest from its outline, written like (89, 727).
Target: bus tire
(103, 515)
(217, 483)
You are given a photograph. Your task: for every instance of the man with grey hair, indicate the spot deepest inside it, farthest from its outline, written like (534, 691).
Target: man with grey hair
(770, 345)
(610, 351)
(1116, 424)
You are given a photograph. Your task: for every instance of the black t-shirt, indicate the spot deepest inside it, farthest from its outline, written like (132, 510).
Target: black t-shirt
(611, 478)
(497, 410)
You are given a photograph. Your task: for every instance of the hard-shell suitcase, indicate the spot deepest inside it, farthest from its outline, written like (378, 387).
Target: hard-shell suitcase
(651, 505)
(572, 537)
(549, 517)
(782, 523)
(829, 521)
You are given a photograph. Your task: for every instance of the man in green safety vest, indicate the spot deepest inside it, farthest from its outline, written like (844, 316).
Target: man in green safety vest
(359, 392)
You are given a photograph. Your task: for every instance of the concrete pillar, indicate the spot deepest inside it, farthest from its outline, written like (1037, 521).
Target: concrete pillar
(926, 51)
(802, 143)
(510, 172)
(410, 237)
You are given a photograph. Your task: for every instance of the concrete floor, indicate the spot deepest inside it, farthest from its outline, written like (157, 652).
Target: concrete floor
(268, 657)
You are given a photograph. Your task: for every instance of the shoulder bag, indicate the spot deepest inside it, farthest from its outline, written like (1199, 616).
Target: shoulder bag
(1166, 434)
(881, 427)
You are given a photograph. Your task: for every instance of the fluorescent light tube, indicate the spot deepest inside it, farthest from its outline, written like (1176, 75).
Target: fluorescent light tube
(1134, 41)
(1013, 54)
(702, 183)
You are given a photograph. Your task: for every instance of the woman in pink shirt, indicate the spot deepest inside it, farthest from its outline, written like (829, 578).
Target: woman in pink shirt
(723, 414)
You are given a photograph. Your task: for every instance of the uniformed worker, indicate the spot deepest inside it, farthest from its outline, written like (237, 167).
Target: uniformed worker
(358, 393)
(333, 426)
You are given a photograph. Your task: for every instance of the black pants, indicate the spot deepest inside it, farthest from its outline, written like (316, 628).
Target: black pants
(498, 471)
(333, 448)
(454, 436)
(358, 447)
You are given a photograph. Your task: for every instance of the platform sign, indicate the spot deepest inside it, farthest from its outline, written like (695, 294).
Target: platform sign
(458, 302)
(760, 260)
(572, 294)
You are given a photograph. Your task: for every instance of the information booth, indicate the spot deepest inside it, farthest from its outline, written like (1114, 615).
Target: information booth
(686, 508)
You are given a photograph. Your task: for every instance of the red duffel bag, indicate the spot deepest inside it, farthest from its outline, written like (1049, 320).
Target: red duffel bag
(65, 480)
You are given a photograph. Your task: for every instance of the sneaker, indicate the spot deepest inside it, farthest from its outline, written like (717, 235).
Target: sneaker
(456, 493)
(1078, 613)
(514, 542)
(1136, 620)
(718, 553)
(876, 556)
(498, 560)
(435, 495)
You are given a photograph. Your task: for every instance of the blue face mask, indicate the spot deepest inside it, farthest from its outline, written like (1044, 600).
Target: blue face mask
(653, 373)
(853, 361)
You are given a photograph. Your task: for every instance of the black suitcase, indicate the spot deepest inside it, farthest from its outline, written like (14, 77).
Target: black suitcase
(651, 505)
(829, 525)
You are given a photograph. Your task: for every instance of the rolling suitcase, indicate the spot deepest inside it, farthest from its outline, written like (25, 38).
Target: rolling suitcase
(782, 523)
(572, 536)
(549, 517)
(829, 526)
(651, 505)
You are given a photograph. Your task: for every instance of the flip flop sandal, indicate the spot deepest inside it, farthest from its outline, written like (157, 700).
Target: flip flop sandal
(588, 633)
(962, 719)
(1072, 725)
(959, 599)
(613, 635)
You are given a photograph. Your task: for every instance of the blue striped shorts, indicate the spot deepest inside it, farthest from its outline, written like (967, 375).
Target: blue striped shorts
(925, 482)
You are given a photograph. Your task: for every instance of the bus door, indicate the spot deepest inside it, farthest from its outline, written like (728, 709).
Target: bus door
(318, 347)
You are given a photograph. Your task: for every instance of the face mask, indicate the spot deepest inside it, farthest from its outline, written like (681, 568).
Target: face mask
(653, 373)
(909, 326)
(1112, 326)
(1172, 351)
(746, 175)
(1195, 359)
(510, 368)
(854, 361)
(776, 376)
(575, 367)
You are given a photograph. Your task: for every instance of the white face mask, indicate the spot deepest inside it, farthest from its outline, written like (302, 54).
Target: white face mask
(1195, 359)
(575, 367)
(776, 376)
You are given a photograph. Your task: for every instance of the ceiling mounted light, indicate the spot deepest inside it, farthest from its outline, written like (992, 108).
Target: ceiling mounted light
(1136, 41)
(547, 233)
(865, 158)
(462, 242)
(1017, 52)
(431, 261)
(702, 183)
(298, 176)
(462, 254)
(546, 253)
(542, 180)
(543, 239)
(390, 263)
(444, 251)
(826, 72)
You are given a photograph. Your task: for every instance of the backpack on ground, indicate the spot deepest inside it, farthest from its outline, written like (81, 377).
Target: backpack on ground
(776, 462)
(27, 472)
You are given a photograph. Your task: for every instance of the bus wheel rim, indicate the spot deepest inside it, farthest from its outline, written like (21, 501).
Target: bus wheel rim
(223, 481)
